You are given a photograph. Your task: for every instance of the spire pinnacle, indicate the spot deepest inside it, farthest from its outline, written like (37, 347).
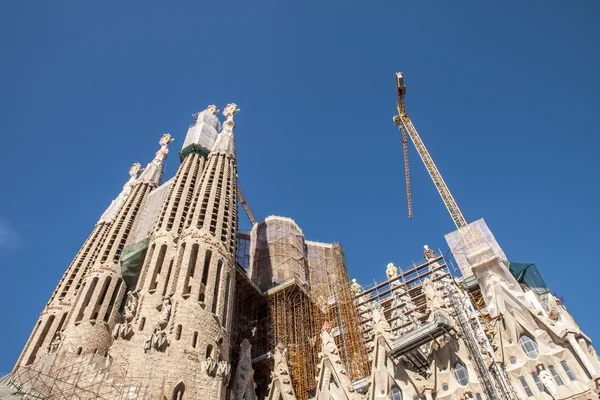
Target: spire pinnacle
(114, 206)
(154, 170)
(225, 143)
(229, 112)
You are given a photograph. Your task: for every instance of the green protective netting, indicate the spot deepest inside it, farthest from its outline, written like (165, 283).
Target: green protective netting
(131, 261)
(528, 273)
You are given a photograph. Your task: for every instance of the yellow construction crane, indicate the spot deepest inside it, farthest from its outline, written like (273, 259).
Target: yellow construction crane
(408, 129)
(245, 205)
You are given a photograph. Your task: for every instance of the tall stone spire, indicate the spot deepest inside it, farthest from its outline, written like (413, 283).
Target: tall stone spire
(95, 309)
(187, 282)
(53, 317)
(154, 171)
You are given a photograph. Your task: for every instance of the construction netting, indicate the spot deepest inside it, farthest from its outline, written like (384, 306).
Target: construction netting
(150, 212)
(528, 274)
(132, 259)
(471, 242)
(277, 252)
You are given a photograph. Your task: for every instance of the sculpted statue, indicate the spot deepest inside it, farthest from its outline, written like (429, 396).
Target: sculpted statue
(157, 340)
(391, 271)
(224, 371)
(547, 380)
(131, 305)
(243, 381)
(122, 330)
(428, 254)
(433, 297)
(165, 312)
(355, 287)
(54, 345)
(381, 326)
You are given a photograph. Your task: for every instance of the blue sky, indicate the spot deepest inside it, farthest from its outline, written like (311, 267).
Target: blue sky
(505, 95)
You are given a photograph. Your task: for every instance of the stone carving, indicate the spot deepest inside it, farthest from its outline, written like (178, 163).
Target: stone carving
(212, 109)
(157, 340)
(380, 324)
(281, 373)
(243, 381)
(135, 169)
(355, 287)
(391, 271)
(209, 365)
(122, 330)
(165, 141)
(404, 312)
(433, 297)
(224, 371)
(547, 380)
(55, 344)
(131, 305)
(428, 254)
(229, 112)
(468, 395)
(165, 312)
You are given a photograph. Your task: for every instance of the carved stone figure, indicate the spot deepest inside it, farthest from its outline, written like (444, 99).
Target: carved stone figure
(243, 381)
(55, 344)
(380, 324)
(157, 340)
(547, 380)
(391, 271)
(122, 330)
(428, 254)
(433, 297)
(165, 312)
(224, 371)
(209, 365)
(131, 305)
(355, 287)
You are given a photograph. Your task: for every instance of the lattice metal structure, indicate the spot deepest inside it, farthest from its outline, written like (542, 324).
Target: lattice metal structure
(290, 320)
(410, 281)
(81, 378)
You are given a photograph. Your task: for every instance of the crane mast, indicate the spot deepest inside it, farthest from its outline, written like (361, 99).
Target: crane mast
(408, 129)
(245, 206)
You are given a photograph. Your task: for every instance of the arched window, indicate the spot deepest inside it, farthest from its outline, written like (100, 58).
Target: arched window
(559, 381)
(209, 349)
(178, 391)
(178, 332)
(529, 346)
(568, 370)
(395, 394)
(461, 374)
(526, 388)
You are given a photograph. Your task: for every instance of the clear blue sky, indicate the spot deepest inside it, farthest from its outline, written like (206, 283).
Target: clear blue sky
(505, 94)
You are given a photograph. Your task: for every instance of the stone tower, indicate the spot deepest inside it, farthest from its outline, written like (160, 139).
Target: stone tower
(180, 341)
(105, 242)
(95, 309)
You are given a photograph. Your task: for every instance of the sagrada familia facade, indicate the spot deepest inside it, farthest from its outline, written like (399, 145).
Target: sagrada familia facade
(166, 300)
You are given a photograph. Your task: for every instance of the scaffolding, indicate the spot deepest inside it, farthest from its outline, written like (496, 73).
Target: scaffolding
(290, 322)
(410, 281)
(85, 377)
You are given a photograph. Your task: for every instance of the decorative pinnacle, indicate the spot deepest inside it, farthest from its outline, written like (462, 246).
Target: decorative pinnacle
(135, 169)
(229, 112)
(164, 142)
(212, 109)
